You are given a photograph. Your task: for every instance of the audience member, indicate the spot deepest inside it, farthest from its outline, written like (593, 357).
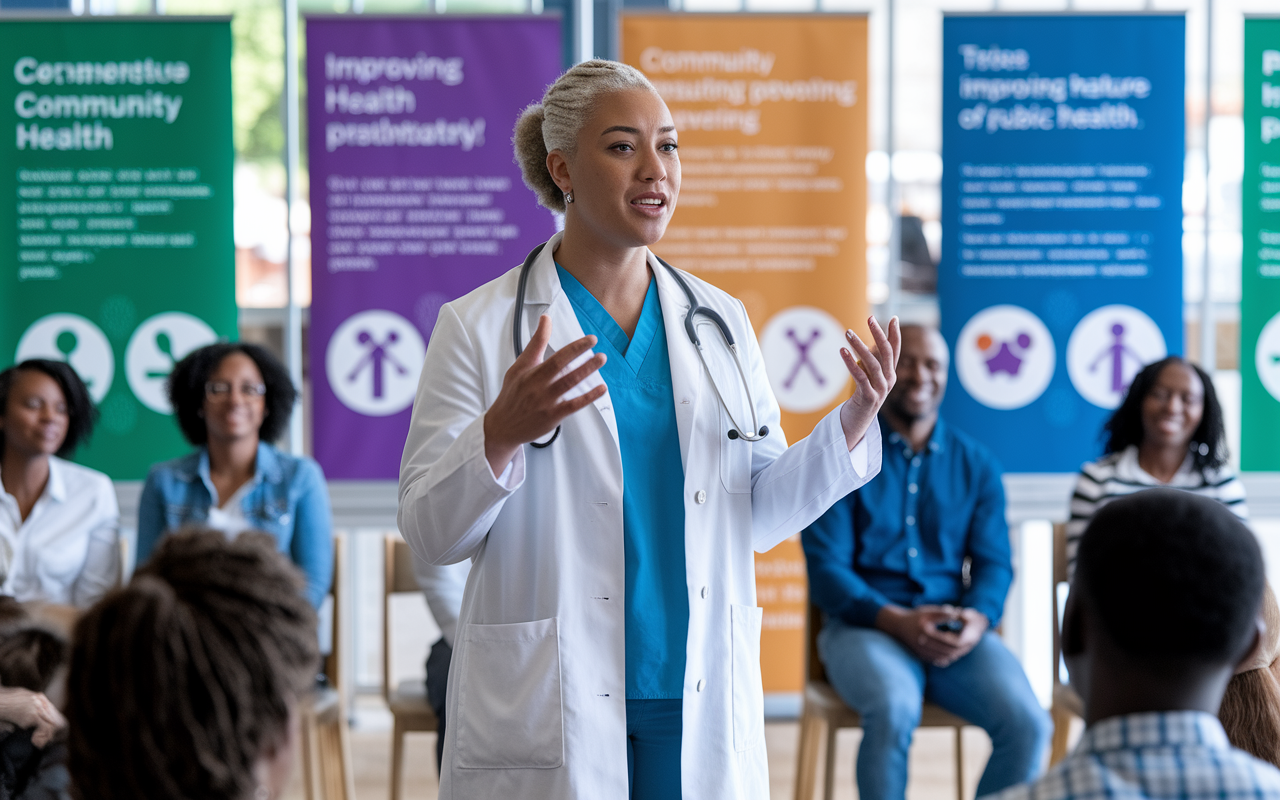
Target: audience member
(186, 683)
(442, 586)
(1250, 710)
(59, 521)
(1168, 431)
(33, 755)
(887, 567)
(231, 401)
(1164, 605)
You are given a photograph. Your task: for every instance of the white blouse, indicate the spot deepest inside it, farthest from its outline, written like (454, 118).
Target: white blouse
(67, 550)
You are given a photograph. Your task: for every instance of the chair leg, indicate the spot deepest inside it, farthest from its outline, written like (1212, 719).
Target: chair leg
(397, 760)
(959, 763)
(807, 757)
(829, 771)
(1061, 733)
(309, 757)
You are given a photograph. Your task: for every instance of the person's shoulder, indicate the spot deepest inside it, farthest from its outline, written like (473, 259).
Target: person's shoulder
(294, 467)
(79, 478)
(496, 296)
(182, 467)
(1102, 469)
(1241, 768)
(970, 449)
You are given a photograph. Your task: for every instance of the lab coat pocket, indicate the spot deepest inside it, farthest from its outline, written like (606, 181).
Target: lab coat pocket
(510, 714)
(748, 693)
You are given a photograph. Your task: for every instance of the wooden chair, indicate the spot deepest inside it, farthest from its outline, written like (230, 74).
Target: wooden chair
(407, 701)
(1066, 703)
(825, 712)
(327, 773)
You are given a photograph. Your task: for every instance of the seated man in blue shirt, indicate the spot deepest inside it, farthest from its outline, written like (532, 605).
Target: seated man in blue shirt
(1164, 606)
(903, 621)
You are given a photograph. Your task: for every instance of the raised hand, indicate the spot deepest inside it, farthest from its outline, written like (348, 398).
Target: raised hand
(874, 373)
(529, 406)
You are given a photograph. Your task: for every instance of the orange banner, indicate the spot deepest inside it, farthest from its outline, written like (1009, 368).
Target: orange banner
(772, 120)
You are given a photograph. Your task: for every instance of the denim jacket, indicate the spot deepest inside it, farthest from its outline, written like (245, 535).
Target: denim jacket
(289, 500)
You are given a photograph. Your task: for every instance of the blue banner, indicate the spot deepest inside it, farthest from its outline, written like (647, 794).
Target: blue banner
(1061, 272)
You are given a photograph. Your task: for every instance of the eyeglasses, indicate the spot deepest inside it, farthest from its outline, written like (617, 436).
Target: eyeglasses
(221, 390)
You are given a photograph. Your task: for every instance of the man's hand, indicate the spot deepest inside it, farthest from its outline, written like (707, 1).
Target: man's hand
(917, 629)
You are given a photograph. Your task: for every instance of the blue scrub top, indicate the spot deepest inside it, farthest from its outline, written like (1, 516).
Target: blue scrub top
(638, 374)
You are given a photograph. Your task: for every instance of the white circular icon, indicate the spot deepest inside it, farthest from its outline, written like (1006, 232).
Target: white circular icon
(77, 341)
(1005, 357)
(1107, 348)
(158, 344)
(1267, 356)
(801, 349)
(373, 362)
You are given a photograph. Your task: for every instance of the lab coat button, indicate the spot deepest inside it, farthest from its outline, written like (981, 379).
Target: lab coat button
(704, 593)
(700, 497)
(700, 684)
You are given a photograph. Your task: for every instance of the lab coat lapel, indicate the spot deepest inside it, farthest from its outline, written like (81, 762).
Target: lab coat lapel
(686, 369)
(544, 295)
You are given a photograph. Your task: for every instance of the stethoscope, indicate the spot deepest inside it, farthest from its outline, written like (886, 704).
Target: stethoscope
(690, 327)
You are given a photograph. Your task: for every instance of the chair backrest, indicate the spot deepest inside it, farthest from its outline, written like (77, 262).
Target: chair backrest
(1059, 577)
(398, 578)
(813, 669)
(333, 663)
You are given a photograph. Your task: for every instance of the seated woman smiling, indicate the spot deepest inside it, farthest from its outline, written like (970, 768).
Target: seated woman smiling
(59, 521)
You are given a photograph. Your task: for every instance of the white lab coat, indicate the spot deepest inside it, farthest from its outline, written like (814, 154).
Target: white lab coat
(537, 689)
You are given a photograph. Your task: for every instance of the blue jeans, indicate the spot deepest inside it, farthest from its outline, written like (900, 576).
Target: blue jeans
(654, 728)
(885, 683)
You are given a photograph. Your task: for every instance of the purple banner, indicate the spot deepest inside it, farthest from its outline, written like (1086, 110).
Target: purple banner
(415, 201)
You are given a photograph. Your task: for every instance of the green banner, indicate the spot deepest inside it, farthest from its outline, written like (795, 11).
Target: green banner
(118, 254)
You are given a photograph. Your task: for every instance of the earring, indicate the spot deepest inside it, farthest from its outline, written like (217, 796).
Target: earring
(568, 197)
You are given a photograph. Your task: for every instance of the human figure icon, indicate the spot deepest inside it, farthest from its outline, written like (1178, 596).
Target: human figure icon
(802, 359)
(1116, 351)
(67, 342)
(375, 359)
(165, 345)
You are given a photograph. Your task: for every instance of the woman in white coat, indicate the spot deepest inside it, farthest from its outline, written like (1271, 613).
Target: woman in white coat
(608, 645)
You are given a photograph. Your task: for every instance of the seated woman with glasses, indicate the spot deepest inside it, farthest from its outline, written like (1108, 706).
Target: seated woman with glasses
(59, 523)
(231, 400)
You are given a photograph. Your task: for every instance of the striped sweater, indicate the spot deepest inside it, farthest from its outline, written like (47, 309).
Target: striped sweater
(1118, 474)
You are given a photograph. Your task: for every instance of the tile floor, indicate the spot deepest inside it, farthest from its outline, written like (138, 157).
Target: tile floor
(932, 761)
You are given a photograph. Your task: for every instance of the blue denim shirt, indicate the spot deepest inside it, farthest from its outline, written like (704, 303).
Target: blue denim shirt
(903, 537)
(289, 500)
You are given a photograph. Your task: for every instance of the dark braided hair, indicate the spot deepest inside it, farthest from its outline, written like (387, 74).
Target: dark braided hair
(181, 681)
(1208, 442)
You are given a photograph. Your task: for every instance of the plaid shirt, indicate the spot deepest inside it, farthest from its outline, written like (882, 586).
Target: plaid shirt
(1165, 755)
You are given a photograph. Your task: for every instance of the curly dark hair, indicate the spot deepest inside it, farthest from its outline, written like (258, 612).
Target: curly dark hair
(183, 679)
(80, 409)
(186, 389)
(1208, 443)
